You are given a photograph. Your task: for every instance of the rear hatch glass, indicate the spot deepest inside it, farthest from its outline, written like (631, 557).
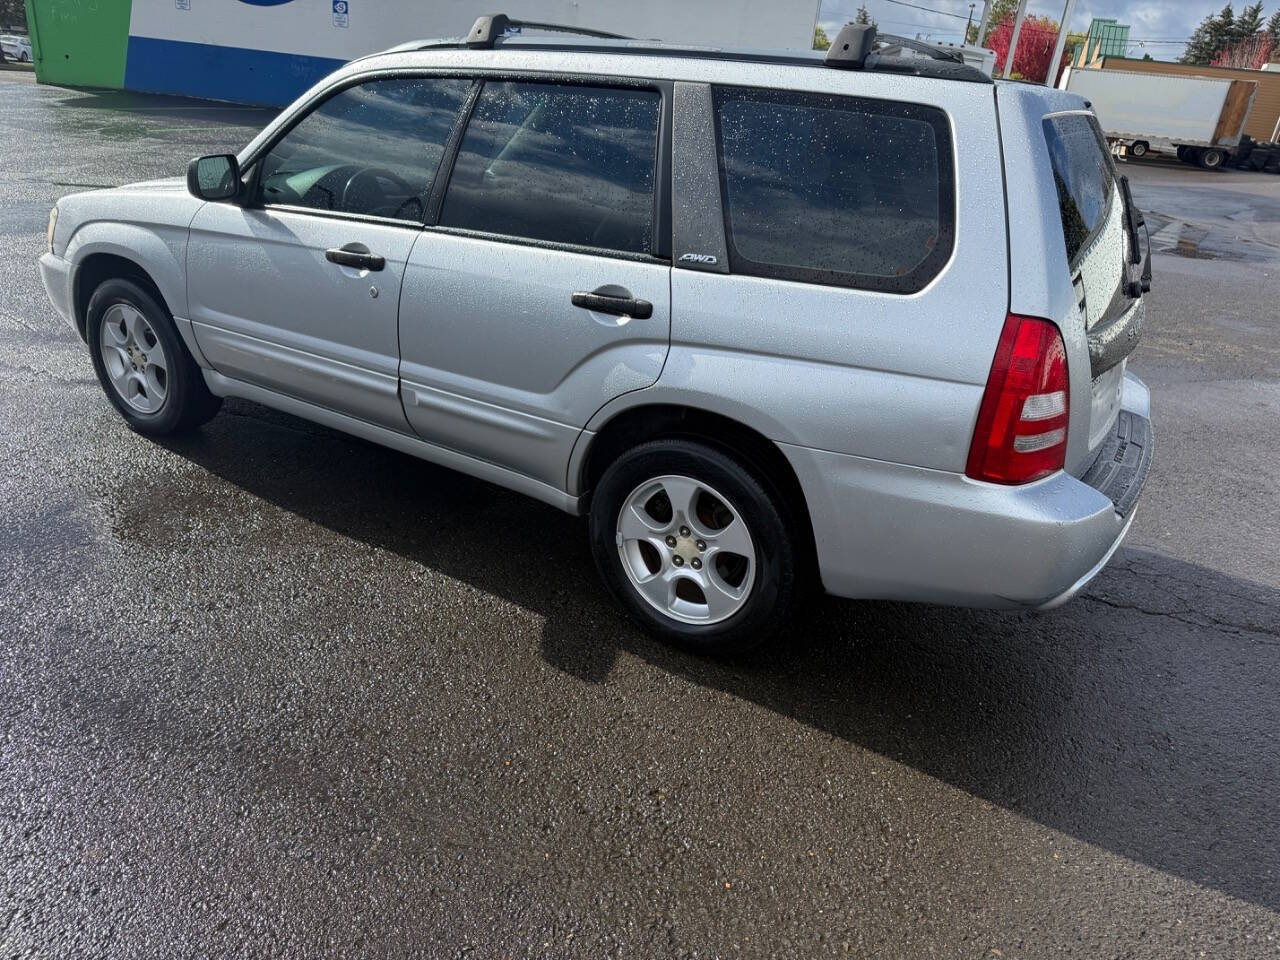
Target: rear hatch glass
(1091, 206)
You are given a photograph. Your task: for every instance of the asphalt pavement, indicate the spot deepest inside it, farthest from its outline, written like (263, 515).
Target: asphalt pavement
(273, 691)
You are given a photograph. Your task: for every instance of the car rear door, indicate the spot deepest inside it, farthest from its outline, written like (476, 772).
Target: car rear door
(298, 289)
(540, 288)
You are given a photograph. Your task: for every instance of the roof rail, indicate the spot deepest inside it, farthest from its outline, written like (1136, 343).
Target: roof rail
(487, 30)
(856, 42)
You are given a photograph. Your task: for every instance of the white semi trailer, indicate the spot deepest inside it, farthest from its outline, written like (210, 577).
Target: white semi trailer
(1200, 119)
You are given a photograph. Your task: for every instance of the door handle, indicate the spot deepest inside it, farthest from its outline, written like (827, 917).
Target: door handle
(355, 255)
(617, 305)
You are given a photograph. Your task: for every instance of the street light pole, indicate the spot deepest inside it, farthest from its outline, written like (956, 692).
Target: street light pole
(1059, 45)
(965, 39)
(982, 24)
(1013, 41)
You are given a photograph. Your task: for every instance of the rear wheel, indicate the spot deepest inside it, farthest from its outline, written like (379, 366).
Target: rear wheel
(694, 545)
(142, 364)
(1211, 158)
(1138, 148)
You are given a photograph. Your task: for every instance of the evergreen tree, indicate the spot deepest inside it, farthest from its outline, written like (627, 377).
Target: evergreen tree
(1223, 31)
(863, 16)
(1217, 31)
(1198, 51)
(1248, 23)
(13, 13)
(820, 39)
(1273, 26)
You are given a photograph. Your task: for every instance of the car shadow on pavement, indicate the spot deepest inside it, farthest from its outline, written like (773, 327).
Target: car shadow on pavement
(171, 108)
(1141, 717)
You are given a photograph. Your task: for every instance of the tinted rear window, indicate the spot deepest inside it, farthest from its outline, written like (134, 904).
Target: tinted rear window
(567, 164)
(836, 190)
(1083, 175)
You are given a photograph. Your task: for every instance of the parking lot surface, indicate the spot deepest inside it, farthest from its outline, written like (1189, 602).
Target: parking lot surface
(273, 691)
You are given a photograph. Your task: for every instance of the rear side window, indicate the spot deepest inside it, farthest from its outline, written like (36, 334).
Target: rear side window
(1083, 176)
(566, 164)
(835, 190)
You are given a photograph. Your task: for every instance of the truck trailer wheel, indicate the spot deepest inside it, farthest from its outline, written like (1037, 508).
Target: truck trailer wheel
(1211, 158)
(1138, 148)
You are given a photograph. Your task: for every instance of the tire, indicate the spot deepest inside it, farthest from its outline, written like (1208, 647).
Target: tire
(743, 594)
(1193, 156)
(1211, 159)
(24, 59)
(1138, 149)
(141, 362)
(1182, 154)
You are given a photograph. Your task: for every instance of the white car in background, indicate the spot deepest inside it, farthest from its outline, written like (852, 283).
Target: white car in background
(16, 48)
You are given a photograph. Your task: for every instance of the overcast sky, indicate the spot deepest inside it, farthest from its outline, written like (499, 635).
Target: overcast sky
(1150, 21)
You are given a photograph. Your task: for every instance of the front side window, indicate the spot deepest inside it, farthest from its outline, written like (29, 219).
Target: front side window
(1083, 176)
(558, 163)
(370, 149)
(836, 190)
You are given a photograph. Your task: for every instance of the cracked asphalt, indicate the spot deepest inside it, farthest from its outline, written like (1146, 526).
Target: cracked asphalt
(272, 691)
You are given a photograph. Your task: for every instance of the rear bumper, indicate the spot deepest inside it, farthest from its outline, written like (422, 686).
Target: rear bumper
(57, 275)
(890, 531)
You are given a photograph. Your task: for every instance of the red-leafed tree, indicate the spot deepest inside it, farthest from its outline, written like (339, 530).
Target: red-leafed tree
(1250, 53)
(1035, 48)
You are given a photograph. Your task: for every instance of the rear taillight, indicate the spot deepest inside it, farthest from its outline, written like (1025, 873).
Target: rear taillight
(1022, 425)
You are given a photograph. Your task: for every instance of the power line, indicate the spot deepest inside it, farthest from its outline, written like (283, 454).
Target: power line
(941, 13)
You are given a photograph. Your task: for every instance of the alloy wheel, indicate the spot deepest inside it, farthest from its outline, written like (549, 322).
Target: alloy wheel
(686, 549)
(134, 358)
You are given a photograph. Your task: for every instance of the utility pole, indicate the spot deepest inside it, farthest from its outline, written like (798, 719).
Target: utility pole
(982, 24)
(967, 23)
(1013, 41)
(1059, 45)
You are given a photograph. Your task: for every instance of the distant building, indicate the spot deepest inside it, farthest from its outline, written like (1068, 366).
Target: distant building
(269, 51)
(1106, 38)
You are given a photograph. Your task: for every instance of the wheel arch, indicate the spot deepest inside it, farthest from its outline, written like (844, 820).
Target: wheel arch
(151, 256)
(95, 269)
(634, 425)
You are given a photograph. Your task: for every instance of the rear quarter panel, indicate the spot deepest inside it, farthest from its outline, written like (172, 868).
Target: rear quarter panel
(1042, 284)
(895, 377)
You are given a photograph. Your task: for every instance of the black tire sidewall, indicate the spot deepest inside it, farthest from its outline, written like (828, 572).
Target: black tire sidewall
(183, 396)
(771, 594)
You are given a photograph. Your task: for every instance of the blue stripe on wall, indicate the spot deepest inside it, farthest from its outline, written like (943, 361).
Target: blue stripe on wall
(221, 73)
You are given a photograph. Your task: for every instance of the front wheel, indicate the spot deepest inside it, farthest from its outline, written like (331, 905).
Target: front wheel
(695, 546)
(1138, 149)
(142, 364)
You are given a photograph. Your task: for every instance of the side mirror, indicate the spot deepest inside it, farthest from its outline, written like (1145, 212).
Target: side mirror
(215, 177)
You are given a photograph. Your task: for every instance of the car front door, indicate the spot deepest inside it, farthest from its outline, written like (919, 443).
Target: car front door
(541, 288)
(297, 290)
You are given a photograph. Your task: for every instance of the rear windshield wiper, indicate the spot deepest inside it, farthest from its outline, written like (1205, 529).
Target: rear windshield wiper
(1133, 219)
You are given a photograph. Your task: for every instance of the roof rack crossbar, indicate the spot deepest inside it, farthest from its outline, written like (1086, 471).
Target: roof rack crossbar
(856, 42)
(487, 30)
(922, 46)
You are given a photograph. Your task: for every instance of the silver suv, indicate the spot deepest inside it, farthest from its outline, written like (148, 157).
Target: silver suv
(773, 323)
